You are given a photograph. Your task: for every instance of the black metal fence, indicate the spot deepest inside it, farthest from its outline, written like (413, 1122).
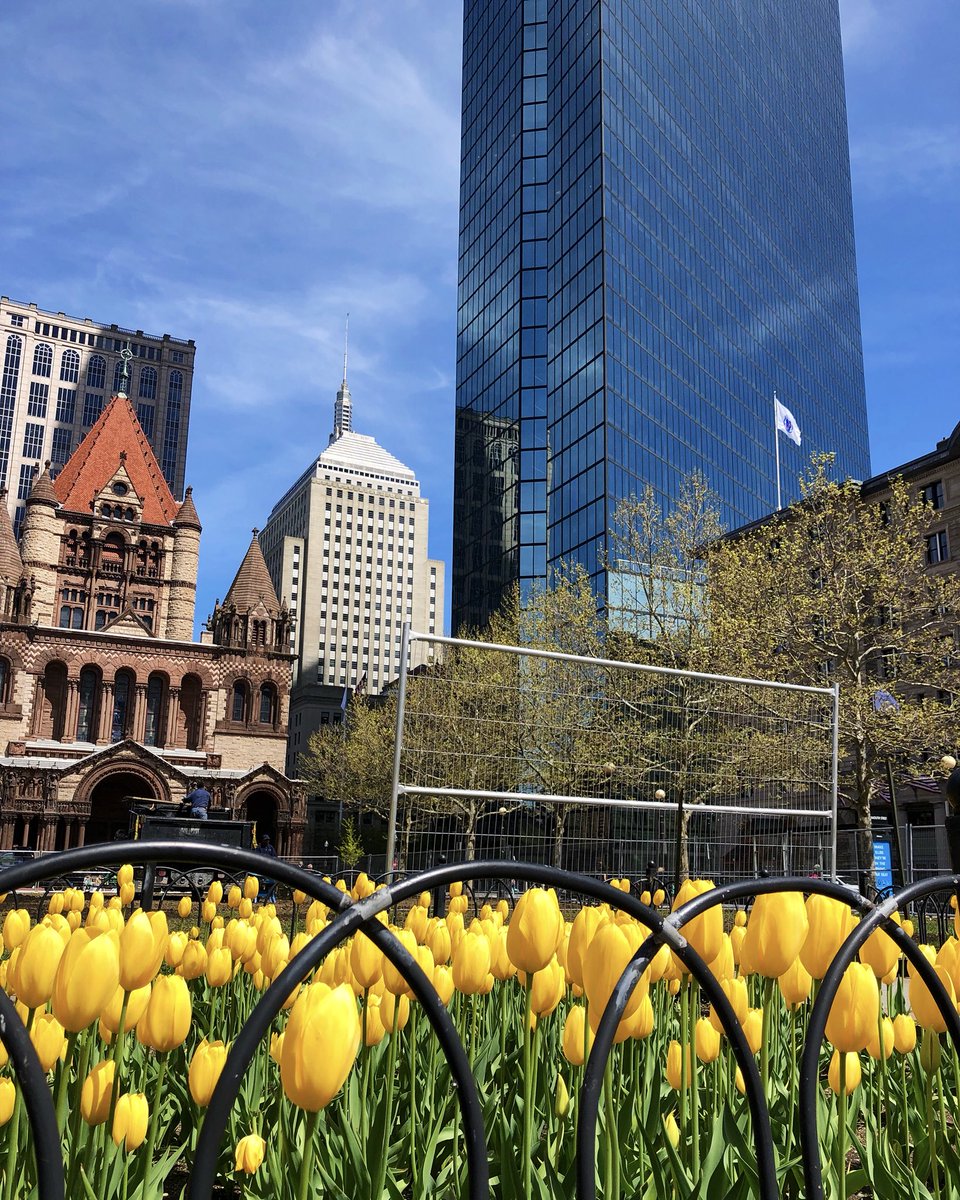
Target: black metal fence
(362, 916)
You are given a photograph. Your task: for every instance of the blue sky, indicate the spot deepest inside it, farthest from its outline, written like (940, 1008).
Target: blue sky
(245, 174)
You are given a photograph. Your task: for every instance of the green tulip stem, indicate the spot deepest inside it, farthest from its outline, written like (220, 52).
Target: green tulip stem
(61, 1104)
(766, 1034)
(792, 1089)
(684, 1043)
(504, 995)
(883, 1096)
(309, 1146)
(213, 1012)
(10, 1171)
(841, 1129)
(612, 1189)
(154, 1126)
(932, 1134)
(384, 1151)
(367, 1052)
(694, 1078)
(412, 1061)
(117, 1048)
(905, 1112)
(474, 1008)
(527, 1093)
(125, 1187)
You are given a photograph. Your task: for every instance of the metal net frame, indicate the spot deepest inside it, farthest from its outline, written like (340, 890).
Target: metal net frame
(609, 768)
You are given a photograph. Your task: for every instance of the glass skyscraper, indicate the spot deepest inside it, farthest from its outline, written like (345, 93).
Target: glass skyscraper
(656, 233)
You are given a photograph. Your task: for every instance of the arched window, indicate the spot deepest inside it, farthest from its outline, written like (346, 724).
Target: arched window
(123, 690)
(5, 675)
(156, 693)
(191, 696)
(148, 383)
(53, 701)
(70, 366)
(259, 637)
(97, 372)
(42, 359)
(175, 387)
(112, 554)
(11, 372)
(238, 709)
(89, 704)
(268, 696)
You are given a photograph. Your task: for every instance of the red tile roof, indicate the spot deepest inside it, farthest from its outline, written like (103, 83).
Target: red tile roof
(94, 463)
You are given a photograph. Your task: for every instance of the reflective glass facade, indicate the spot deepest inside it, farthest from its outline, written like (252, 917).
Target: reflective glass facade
(656, 233)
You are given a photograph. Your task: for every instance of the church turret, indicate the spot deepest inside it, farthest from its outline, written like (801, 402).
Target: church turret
(251, 617)
(40, 545)
(184, 564)
(11, 564)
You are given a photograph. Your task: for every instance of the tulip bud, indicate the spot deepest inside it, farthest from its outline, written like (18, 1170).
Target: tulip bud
(366, 961)
(776, 932)
(671, 1129)
(735, 991)
(471, 964)
(234, 896)
(299, 897)
(880, 951)
(219, 968)
(851, 1074)
(8, 1096)
(753, 1029)
(87, 977)
(706, 1041)
(561, 1099)
(795, 984)
(876, 1048)
(137, 1002)
(142, 943)
(319, 1046)
(215, 892)
(193, 962)
(585, 925)
(16, 926)
(55, 904)
(249, 1153)
(612, 947)
(393, 981)
(855, 1010)
(704, 933)
(96, 1093)
(930, 1051)
(535, 930)
(48, 1040)
(443, 983)
(127, 893)
(547, 988)
(205, 1068)
(166, 1021)
(675, 1065)
(394, 1012)
(130, 1120)
(185, 907)
(925, 1009)
(38, 958)
(577, 1036)
(125, 874)
(830, 921)
(251, 887)
(904, 1034)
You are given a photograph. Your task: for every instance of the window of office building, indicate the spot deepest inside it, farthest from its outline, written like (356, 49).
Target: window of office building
(42, 359)
(70, 366)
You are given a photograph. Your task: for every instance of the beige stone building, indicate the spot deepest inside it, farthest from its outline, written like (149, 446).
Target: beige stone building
(347, 545)
(105, 697)
(58, 374)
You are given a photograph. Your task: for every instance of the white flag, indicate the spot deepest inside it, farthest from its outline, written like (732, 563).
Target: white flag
(786, 422)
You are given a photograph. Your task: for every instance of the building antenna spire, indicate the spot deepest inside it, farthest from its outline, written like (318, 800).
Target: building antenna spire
(343, 409)
(346, 342)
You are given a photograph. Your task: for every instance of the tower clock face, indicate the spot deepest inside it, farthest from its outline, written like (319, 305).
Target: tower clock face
(120, 488)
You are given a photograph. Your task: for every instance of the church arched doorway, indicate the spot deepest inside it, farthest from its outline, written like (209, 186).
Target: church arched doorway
(261, 808)
(110, 805)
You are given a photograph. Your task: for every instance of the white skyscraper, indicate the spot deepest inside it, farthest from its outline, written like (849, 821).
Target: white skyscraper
(346, 547)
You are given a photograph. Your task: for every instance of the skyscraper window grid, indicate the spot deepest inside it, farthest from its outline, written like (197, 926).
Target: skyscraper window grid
(699, 255)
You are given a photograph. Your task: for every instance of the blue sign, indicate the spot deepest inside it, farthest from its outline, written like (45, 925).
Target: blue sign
(882, 865)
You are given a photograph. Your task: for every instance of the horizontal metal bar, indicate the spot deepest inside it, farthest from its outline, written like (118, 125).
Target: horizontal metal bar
(601, 802)
(612, 662)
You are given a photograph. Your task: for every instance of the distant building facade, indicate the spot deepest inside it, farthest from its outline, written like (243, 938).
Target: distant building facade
(347, 544)
(58, 374)
(105, 696)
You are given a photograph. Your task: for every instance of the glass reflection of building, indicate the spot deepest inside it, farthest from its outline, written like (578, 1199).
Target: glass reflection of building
(655, 234)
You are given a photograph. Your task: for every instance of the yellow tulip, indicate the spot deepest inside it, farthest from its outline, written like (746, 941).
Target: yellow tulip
(205, 1068)
(127, 893)
(394, 1012)
(925, 1010)
(130, 1120)
(776, 932)
(125, 874)
(276, 957)
(96, 1092)
(319, 1045)
(87, 977)
(136, 1006)
(830, 922)
(471, 964)
(176, 944)
(585, 925)
(561, 1099)
(16, 926)
(609, 952)
(55, 904)
(904, 1034)
(855, 1010)
(675, 1065)
(166, 1021)
(374, 1031)
(737, 936)
(142, 943)
(8, 1096)
(184, 908)
(234, 896)
(795, 984)
(852, 1073)
(219, 969)
(443, 983)
(215, 891)
(547, 988)
(193, 962)
(671, 1129)
(535, 930)
(723, 966)
(880, 951)
(706, 1041)
(251, 887)
(416, 922)
(577, 1035)
(438, 939)
(874, 1047)
(393, 981)
(48, 1040)
(249, 1153)
(704, 933)
(38, 957)
(753, 1029)
(366, 961)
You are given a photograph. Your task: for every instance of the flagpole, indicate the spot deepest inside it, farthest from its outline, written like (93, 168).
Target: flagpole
(776, 443)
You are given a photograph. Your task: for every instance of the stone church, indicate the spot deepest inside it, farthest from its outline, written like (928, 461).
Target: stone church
(105, 697)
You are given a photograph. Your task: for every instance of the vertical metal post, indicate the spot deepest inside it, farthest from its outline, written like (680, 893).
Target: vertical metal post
(398, 746)
(835, 782)
(897, 833)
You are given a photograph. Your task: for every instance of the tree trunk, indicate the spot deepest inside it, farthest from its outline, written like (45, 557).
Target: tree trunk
(559, 829)
(470, 833)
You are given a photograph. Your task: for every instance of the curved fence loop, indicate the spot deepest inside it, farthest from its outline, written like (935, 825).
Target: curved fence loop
(37, 1100)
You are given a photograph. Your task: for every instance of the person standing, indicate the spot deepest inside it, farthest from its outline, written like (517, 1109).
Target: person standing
(199, 801)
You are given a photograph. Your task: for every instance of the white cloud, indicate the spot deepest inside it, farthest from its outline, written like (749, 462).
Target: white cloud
(917, 159)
